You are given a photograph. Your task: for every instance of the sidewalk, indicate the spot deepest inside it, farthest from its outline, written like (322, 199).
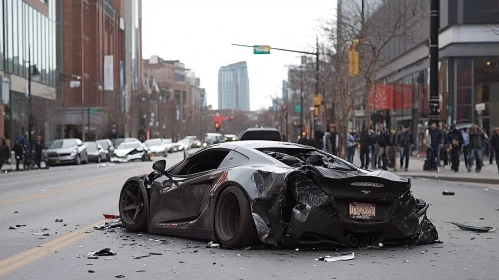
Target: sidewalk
(488, 175)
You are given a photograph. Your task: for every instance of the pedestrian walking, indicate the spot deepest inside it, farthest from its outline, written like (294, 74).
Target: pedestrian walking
(404, 142)
(455, 140)
(494, 145)
(436, 142)
(384, 143)
(374, 152)
(466, 142)
(38, 152)
(18, 151)
(351, 146)
(492, 150)
(477, 139)
(365, 144)
(444, 152)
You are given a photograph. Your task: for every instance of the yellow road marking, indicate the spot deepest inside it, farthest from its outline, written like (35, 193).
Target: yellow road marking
(47, 193)
(12, 263)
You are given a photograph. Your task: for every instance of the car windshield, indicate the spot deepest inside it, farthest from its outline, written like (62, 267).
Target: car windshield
(104, 144)
(269, 135)
(91, 146)
(63, 143)
(129, 145)
(295, 157)
(167, 141)
(153, 142)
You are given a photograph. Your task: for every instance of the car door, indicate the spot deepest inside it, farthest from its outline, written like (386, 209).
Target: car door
(179, 199)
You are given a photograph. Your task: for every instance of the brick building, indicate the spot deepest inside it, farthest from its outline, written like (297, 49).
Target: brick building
(180, 95)
(91, 69)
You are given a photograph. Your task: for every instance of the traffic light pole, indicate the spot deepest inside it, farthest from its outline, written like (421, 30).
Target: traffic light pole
(317, 68)
(434, 26)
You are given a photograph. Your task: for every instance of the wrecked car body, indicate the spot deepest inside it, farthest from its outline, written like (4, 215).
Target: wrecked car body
(129, 151)
(278, 194)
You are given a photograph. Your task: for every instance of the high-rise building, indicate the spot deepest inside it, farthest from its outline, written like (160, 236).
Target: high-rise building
(233, 87)
(28, 36)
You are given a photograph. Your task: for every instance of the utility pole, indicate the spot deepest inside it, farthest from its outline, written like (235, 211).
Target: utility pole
(29, 95)
(317, 85)
(434, 26)
(301, 100)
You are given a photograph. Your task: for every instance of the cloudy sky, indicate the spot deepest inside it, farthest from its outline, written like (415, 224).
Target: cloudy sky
(199, 33)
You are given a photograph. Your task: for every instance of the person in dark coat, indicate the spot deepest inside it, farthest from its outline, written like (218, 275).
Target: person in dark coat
(384, 143)
(19, 152)
(38, 152)
(404, 143)
(437, 138)
(365, 144)
(477, 139)
(494, 145)
(374, 142)
(492, 151)
(456, 142)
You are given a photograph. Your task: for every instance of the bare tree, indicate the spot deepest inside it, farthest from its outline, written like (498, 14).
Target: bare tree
(375, 25)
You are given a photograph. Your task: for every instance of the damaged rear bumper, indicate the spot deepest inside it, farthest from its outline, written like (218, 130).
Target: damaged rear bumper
(303, 215)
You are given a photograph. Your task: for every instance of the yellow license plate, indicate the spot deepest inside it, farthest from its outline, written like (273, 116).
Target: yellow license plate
(152, 154)
(364, 211)
(57, 162)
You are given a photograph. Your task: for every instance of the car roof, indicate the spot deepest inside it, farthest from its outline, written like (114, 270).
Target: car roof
(260, 144)
(262, 129)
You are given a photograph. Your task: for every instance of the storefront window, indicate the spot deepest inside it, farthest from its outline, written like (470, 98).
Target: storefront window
(464, 90)
(486, 86)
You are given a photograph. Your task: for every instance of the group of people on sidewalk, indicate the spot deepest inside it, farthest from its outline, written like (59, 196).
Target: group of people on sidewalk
(23, 152)
(373, 147)
(471, 143)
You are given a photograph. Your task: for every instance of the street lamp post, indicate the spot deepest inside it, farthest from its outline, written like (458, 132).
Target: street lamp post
(31, 72)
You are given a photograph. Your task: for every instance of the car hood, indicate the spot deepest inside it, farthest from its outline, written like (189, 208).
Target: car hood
(61, 150)
(123, 152)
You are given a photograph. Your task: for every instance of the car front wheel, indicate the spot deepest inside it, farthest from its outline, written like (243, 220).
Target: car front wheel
(131, 206)
(234, 225)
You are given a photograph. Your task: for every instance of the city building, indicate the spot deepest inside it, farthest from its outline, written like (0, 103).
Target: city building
(468, 69)
(28, 38)
(181, 97)
(133, 63)
(285, 86)
(233, 87)
(92, 54)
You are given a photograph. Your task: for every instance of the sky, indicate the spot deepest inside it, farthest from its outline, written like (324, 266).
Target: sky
(199, 33)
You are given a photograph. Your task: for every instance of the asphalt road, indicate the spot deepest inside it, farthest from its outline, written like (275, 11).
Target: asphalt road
(80, 195)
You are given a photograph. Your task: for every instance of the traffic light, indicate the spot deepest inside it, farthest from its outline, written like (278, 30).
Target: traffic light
(217, 126)
(353, 60)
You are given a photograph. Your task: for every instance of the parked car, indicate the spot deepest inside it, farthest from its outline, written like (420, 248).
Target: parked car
(212, 138)
(268, 134)
(108, 147)
(157, 148)
(230, 137)
(170, 147)
(186, 144)
(195, 141)
(95, 152)
(130, 151)
(63, 151)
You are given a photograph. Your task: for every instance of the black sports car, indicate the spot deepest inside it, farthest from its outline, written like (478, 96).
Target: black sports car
(274, 193)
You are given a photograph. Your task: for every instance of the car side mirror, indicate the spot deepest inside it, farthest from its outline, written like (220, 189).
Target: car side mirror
(159, 165)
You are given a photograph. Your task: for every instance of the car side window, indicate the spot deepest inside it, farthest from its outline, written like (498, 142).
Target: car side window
(204, 161)
(233, 159)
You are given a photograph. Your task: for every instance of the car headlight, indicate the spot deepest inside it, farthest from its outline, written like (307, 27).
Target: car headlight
(204, 145)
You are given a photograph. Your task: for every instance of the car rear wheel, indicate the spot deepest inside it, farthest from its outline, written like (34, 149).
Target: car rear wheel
(234, 225)
(132, 211)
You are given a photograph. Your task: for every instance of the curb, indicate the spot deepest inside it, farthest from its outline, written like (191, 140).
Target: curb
(492, 181)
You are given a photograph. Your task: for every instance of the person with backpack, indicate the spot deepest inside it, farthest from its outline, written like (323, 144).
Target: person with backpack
(365, 144)
(404, 143)
(455, 141)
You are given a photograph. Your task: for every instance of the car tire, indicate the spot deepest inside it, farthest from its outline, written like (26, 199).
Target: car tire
(132, 208)
(234, 225)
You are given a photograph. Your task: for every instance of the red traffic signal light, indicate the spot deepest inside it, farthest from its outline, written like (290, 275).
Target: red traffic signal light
(217, 125)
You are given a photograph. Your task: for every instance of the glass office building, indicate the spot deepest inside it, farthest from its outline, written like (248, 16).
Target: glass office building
(28, 37)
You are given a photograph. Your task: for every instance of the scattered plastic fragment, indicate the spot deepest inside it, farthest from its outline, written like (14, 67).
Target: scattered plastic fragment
(120, 276)
(41, 234)
(337, 258)
(405, 261)
(448, 193)
(155, 254)
(40, 245)
(59, 220)
(12, 227)
(380, 244)
(142, 270)
(212, 245)
(474, 228)
(141, 257)
(92, 257)
(16, 212)
(103, 252)
(110, 216)
(91, 271)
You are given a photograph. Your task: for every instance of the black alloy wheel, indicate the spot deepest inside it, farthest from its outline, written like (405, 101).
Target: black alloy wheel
(132, 211)
(234, 225)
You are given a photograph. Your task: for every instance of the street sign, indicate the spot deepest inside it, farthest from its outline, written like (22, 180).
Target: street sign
(74, 84)
(261, 49)
(317, 100)
(480, 107)
(93, 110)
(297, 109)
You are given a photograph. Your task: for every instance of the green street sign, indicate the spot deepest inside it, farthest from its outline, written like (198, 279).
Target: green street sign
(297, 109)
(93, 110)
(261, 49)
